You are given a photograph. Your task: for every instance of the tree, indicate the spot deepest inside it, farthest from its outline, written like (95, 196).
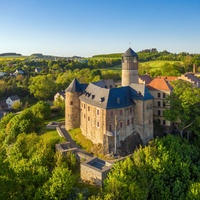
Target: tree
(42, 87)
(59, 186)
(41, 110)
(167, 168)
(184, 108)
(17, 105)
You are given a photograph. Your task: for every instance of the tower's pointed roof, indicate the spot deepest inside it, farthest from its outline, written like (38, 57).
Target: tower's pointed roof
(130, 52)
(74, 86)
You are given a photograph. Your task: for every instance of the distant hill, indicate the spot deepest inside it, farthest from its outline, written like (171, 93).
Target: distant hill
(10, 54)
(113, 55)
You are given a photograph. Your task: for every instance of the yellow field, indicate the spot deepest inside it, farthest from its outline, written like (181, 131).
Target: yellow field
(12, 58)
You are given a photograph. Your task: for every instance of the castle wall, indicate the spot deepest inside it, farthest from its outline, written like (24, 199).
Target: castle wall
(99, 125)
(144, 119)
(93, 122)
(72, 110)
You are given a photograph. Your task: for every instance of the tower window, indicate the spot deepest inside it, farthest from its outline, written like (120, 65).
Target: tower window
(97, 112)
(110, 127)
(88, 118)
(121, 124)
(97, 124)
(71, 103)
(88, 108)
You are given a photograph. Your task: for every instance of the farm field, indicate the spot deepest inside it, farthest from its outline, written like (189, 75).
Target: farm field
(13, 58)
(152, 64)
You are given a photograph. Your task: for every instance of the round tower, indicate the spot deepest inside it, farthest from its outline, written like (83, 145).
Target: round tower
(129, 67)
(72, 105)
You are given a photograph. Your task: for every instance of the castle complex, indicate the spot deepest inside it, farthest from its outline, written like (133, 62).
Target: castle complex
(106, 114)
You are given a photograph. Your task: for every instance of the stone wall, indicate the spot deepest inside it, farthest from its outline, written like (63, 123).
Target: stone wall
(72, 110)
(144, 119)
(92, 174)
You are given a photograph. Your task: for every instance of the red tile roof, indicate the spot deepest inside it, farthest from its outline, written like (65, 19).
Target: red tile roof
(159, 83)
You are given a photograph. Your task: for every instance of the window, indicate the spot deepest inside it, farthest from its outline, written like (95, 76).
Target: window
(97, 112)
(131, 109)
(97, 124)
(84, 105)
(71, 103)
(158, 103)
(128, 122)
(110, 127)
(121, 112)
(164, 104)
(84, 115)
(164, 95)
(158, 112)
(158, 94)
(164, 122)
(88, 118)
(111, 113)
(88, 108)
(121, 124)
(158, 121)
(132, 120)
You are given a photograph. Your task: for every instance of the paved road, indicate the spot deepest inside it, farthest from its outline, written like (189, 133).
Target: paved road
(68, 138)
(72, 143)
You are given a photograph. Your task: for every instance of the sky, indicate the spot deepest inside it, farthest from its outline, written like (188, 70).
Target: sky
(90, 27)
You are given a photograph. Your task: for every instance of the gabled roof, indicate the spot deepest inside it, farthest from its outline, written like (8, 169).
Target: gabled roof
(74, 86)
(140, 92)
(14, 97)
(129, 53)
(146, 78)
(159, 84)
(168, 78)
(105, 83)
(107, 98)
(62, 93)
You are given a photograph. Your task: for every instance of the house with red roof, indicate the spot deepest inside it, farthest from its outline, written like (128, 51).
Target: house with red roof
(160, 88)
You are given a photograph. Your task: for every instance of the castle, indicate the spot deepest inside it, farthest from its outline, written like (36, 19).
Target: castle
(107, 114)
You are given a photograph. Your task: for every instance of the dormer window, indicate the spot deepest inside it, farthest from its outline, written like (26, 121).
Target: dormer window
(118, 100)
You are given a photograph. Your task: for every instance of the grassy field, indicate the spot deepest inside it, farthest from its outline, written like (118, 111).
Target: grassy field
(85, 143)
(153, 65)
(159, 63)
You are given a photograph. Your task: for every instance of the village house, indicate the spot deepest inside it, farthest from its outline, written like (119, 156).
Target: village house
(60, 95)
(12, 99)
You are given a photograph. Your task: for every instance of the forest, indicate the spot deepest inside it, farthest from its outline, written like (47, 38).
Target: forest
(167, 168)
